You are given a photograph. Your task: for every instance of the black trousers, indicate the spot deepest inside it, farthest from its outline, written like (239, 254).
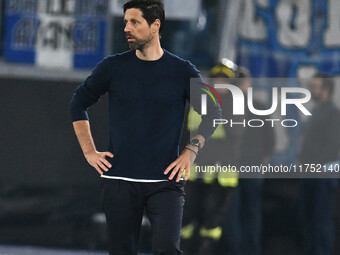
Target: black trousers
(124, 203)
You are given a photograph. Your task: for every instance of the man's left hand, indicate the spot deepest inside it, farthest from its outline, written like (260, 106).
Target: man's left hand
(181, 164)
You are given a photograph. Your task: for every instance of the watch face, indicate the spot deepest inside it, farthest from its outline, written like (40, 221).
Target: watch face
(195, 142)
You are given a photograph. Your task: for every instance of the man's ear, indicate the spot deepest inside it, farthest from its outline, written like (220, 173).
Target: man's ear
(155, 26)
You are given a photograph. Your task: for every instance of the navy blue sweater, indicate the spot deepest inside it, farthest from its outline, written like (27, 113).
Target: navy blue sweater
(146, 109)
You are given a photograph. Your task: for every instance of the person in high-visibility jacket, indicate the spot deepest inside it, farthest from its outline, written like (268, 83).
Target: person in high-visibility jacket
(207, 196)
(243, 220)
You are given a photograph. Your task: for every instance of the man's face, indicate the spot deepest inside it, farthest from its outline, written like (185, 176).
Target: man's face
(137, 29)
(316, 89)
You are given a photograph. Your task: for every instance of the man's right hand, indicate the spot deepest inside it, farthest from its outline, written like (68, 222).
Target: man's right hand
(98, 160)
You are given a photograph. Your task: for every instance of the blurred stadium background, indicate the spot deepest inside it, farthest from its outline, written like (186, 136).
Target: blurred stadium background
(49, 196)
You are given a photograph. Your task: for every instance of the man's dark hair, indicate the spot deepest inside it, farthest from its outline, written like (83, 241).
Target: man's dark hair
(327, 82)
(151, 10)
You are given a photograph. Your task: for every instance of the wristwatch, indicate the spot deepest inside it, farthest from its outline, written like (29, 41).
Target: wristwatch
(195, 142)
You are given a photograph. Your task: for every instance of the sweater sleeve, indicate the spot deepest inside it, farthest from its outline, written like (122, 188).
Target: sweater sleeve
(194, 90)
(89, 92)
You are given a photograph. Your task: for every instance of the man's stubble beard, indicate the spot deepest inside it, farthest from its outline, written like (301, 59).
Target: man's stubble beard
(141, 44)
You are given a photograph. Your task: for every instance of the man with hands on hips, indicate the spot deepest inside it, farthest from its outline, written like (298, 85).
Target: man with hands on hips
(142, 170)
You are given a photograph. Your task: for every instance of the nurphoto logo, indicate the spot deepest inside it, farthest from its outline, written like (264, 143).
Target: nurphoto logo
(279, 99)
